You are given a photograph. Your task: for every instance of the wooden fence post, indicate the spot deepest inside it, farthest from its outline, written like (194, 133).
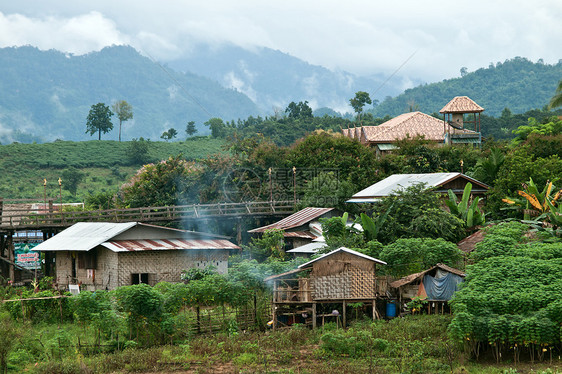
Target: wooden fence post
(198, 321)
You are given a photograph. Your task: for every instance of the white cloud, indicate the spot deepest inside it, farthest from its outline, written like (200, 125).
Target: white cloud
(357, 36)
(80, 34)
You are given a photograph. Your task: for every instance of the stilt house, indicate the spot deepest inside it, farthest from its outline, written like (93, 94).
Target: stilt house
(335, 280)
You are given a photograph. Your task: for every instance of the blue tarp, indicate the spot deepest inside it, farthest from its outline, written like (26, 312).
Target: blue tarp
(442, 286)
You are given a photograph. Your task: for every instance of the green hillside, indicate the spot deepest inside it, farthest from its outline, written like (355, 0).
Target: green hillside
(46, 95)
(106, 165)
(517, 84)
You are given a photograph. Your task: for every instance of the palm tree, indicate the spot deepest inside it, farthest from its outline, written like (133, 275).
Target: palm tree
(556, 100)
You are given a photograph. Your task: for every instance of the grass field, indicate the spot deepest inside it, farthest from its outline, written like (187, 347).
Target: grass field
(106, 165)
(412, 345)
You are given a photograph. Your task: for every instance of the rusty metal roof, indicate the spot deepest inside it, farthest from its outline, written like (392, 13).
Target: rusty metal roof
(167, 244)
(412, 277)
(461, 104)
(295, 220)
(300, 234)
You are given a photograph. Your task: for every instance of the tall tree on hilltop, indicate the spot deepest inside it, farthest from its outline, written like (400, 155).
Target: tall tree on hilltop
(124, 112)
(190, 129)
(556, 100)
(300, 110)
(359, 101)
(99, 119)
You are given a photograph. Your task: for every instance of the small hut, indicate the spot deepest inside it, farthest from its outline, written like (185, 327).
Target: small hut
(435, 285)
(340, 277)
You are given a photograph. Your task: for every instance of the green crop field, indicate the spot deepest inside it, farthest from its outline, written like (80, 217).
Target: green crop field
(106, 165)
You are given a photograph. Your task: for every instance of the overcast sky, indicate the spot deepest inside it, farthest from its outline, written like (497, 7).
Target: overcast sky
(362, 37)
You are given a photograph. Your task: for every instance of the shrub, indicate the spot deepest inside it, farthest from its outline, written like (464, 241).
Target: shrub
(407, 256)
(142, 304)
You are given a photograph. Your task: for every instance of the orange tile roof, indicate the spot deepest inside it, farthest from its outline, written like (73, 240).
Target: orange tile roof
(409, 124)
(461, 104)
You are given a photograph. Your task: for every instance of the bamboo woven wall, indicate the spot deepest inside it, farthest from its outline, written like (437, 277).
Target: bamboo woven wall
(343, 276)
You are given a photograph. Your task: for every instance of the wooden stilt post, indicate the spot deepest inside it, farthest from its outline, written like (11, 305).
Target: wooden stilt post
(375, 312)
(10, 248)
(274, 306)
(239, 231)
(344, 321)
(313, 315)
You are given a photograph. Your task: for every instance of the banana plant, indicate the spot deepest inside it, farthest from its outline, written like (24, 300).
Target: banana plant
(372, 226)
(470, 214)
(554, 216)
(533, 202)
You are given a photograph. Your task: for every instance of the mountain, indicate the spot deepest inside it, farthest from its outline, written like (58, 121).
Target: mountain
(517, 84)
(273, 79)
(46, 95)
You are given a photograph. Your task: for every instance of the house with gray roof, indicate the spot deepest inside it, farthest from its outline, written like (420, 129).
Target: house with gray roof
(439, 182)
(105, 255)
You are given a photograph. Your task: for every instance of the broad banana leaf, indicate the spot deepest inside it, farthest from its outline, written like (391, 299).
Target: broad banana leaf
(369, 227)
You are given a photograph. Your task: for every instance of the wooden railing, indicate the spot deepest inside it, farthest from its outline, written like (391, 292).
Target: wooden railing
(28, 219)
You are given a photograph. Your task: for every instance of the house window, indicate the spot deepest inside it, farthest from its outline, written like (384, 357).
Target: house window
(87, 260)
(147, 278)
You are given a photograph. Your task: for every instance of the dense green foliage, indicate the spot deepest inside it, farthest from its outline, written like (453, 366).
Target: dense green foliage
(511, 296)
(494, 88)
(269, 245)
(415, 212)
(169, 182)
(408, 256)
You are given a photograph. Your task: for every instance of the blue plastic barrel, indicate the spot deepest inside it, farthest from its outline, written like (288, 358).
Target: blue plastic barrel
(390, 309)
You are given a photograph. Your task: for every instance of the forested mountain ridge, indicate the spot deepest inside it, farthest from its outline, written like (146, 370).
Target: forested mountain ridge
(517, 84)
(273, 79)
(46, 95)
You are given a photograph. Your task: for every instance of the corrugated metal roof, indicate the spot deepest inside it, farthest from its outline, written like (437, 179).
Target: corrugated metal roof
(387, 147)
(167, 244)
(474, 140)
(299, 234)
(295, 220)
(343, 249)
(83, 236)
(461, 104)
(290, 272)
(309, 248)
(412, 277)
(398, 182)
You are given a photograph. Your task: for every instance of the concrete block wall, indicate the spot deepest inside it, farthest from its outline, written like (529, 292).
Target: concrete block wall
(115, 269)
(104, 276)
(63, 263)
(108, 265)
(168, 265)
